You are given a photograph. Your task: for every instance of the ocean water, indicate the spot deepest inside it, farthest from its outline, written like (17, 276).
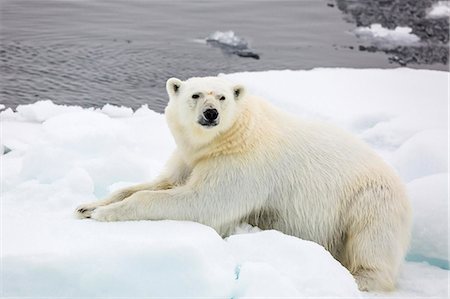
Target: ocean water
(94, 52)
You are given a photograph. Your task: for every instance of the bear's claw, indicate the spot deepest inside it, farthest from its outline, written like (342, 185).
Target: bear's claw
(84, 212)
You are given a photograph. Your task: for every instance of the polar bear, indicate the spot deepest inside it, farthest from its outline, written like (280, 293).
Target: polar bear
(240, 159)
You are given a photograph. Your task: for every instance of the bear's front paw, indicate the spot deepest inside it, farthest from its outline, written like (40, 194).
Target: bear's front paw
(84, 211)
(104, 214)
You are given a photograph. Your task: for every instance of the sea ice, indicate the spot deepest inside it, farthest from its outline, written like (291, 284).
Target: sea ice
(62, 156)
(386, 38)
(228, 38)
(440, 9)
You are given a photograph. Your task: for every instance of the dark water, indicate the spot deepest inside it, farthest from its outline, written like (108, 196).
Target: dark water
(94, 52)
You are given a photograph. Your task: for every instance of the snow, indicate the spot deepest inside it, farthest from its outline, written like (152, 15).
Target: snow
(43, 110)
(425, 153)
(116, 111)
(127, 259)
(419, 280)
(440, 9)
(299, 275)
(62, 156)
(385, 37)
(428, 238)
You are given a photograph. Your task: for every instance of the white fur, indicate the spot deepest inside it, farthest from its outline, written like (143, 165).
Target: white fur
(263, 166)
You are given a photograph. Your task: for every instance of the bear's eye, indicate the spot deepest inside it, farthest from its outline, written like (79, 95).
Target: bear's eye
(195, 96)
(222, 98)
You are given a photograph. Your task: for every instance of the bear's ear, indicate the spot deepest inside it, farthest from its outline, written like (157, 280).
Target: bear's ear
(173, 86)
(239, 92)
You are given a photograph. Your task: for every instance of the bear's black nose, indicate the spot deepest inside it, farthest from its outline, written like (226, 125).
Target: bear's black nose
(210, 114)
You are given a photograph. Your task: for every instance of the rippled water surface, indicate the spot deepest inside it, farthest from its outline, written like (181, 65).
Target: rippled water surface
(94, 52)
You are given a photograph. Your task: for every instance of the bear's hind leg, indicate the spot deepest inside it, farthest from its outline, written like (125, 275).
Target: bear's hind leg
(374, 280)
(371, 260)
(377, 239)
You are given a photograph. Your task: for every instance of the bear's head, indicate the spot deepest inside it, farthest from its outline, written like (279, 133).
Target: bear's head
(201, 108)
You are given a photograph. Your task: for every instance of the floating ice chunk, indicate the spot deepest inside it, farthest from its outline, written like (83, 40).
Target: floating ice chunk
(228, 38)
(2, 106)
(384, 37)
(440, 9)
(230, 43)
